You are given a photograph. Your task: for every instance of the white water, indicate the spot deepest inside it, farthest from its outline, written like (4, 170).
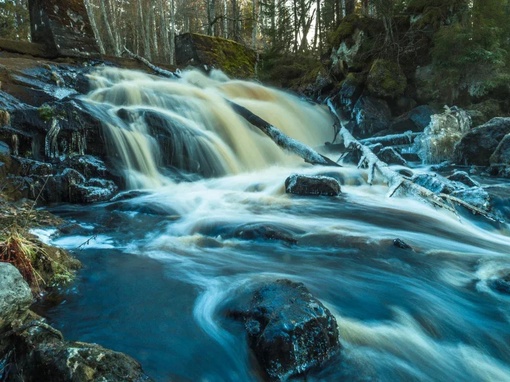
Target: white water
(162, 268)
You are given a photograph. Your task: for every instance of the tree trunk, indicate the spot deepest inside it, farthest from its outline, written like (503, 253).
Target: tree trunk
(172, 32)
(93, 24)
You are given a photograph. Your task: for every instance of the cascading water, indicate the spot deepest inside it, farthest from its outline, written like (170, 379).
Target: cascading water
(163, 265)
(188, 124)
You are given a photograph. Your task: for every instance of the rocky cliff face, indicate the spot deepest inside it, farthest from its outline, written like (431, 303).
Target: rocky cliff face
(64, 29)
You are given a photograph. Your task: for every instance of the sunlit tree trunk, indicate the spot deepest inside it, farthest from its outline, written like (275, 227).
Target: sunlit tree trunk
(93, 24)
(255, 15)
(172, 32)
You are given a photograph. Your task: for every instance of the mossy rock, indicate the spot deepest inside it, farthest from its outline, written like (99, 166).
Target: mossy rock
(290, 71)
(348, 26)
(484, 111)
(235, 59)
(386, 79)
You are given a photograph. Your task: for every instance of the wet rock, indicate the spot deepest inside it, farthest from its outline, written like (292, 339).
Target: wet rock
(475, 196)
(89, 166)
(371, 115)
(15, 295)
(386, 79)
(289, 331)
(92, 191)
(435, 183)
(401, 244)
(391, 156)
(478, 144)
(464, 178)
(415, 120)
(312, 185)
(264, 231)
(42, 355)
(348, 95)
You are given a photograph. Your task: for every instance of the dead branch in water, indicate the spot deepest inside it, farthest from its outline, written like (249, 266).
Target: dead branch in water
(396, 182)
(308, 154)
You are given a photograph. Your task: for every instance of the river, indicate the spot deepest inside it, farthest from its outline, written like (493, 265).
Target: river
(163, 265)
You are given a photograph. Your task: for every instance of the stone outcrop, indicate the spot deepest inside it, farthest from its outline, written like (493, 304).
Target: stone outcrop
(33, 351)
(289, 331)
(41, 355)
(15, 295)
(63, 27)
(208, 52)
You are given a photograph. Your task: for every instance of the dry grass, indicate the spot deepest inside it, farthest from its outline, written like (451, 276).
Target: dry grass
(41, 266)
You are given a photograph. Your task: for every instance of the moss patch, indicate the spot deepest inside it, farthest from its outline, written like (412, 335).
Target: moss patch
(291, 71)
(234, 59)
(386, 79)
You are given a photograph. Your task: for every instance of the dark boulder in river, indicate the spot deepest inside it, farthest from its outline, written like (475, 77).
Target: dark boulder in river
(312, 185)
(289, 330)
(478, 144)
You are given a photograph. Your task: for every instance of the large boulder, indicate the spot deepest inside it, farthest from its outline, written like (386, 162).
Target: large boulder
(199, 50)
(415, 120)
(312, 185)
(15, 295)
(371, 115)
(386, 79)
(64, 28)
(41, 355)
(478, 144)
(349, 93)
(289, 331)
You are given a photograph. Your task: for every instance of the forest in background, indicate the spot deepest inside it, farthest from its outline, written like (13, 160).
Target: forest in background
(467, 41)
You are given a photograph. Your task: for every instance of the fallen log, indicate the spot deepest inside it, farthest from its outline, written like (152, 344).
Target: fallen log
(290, 144)
(162, 72)
(397, 183)
(308, 154)
(406, 138)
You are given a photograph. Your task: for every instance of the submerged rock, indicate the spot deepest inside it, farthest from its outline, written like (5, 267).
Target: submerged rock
(289, 330)
(15, 294)
(264, 231)
(312, 185)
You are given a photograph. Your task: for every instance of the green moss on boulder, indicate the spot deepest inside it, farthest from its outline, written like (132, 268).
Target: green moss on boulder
(386, 79)
(234, 59)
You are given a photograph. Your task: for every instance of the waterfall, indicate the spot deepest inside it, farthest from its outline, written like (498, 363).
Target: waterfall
(153, 123)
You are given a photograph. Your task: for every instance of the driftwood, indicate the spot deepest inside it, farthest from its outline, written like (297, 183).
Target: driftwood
(308, 154)
(396, 182)
(406, 138)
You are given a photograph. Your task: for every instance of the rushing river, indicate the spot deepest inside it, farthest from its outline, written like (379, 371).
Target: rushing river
(162, 266)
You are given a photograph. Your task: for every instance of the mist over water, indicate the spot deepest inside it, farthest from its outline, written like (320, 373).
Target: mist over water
(163, 267)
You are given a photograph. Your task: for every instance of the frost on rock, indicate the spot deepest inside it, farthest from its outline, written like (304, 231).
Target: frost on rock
(439, 138)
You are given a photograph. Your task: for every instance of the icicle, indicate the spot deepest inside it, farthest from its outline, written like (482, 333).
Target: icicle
(78, 143)
(50, 142)
(15, 144)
